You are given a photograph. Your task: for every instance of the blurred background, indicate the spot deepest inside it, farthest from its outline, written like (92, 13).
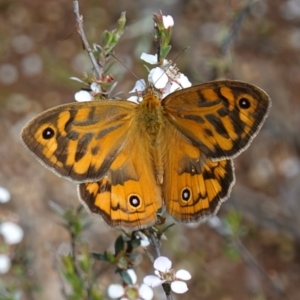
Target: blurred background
(40, 50)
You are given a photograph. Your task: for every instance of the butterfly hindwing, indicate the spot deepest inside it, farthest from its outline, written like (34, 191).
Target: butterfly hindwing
(128, 195)
(194, 185)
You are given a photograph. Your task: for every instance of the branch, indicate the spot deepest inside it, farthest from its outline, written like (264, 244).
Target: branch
(235, 27)
(156, 245)
(79, 21)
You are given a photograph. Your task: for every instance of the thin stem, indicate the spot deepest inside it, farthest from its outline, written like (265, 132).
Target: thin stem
(248, 257)
(235, 27)
(156, 245)
(73, 254)
(231, 37)
(60, 277)
(79, 21)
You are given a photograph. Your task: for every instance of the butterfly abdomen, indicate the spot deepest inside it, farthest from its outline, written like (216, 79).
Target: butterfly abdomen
(150, 123)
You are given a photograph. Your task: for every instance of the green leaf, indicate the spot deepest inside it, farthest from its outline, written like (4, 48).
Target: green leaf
(234, 220)
(135, 243)
(106, 37)
(165, 51)
(126, 277)
(134, 256)
(122, 262)
(96, 295)
(121, 22)
(85, 262)
(68, 263)
(166, 228)
(119, 244)
(101, 256)
(231, 252)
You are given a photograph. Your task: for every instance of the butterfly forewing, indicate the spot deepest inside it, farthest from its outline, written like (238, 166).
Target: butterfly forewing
(220, 117)
(80, 140)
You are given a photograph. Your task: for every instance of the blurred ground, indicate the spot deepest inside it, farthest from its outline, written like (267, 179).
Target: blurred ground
(40, 50)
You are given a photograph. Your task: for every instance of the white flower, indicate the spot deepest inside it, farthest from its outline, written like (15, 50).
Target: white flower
(164, 274)
(168, 21)
(132, 275)
(95, 87)
(83, 96)
(131, 292)
(4, 195)
(135, 99)
(158, 78)
(144, 241)
(166, 78)
(5, 263)
(139, 87)
(115, 291)
(149, 58)
(12, 233)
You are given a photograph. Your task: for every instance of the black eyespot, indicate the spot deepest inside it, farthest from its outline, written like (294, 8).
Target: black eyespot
(186, 194)
(244, 103)
(48, 133)
(134, 200)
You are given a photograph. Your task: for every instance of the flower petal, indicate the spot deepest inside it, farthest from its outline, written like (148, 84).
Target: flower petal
(158, 77)
(144, 241)
(149, 58)
(4, 195)
(179, 287)
(139, 86)
(135, 99)
(174, 87)
(115, 291)
(132, 275)
(145, 292)
(95, 87)
(183, 275)
(5, 263)
(11, 232)
(184, 81)
(153, 281)
(162, 264)
(82, 96)
(168, 21)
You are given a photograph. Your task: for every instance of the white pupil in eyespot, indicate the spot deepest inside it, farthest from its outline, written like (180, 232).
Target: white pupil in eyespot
(135, 201)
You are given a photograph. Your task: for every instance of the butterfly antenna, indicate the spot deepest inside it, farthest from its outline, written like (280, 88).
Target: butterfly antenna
(172, 63)
(180, 53)
(130, 71)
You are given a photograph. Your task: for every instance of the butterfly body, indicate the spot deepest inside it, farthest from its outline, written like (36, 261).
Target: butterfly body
(130, 159)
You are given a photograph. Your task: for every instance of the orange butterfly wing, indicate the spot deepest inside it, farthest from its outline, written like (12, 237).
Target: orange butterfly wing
(206, 126)
(128, 195)
(97, 144)
(194, 186)
(79, 141)
(220, 117)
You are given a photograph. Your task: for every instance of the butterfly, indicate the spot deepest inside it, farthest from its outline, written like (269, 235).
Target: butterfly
(130, 160)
